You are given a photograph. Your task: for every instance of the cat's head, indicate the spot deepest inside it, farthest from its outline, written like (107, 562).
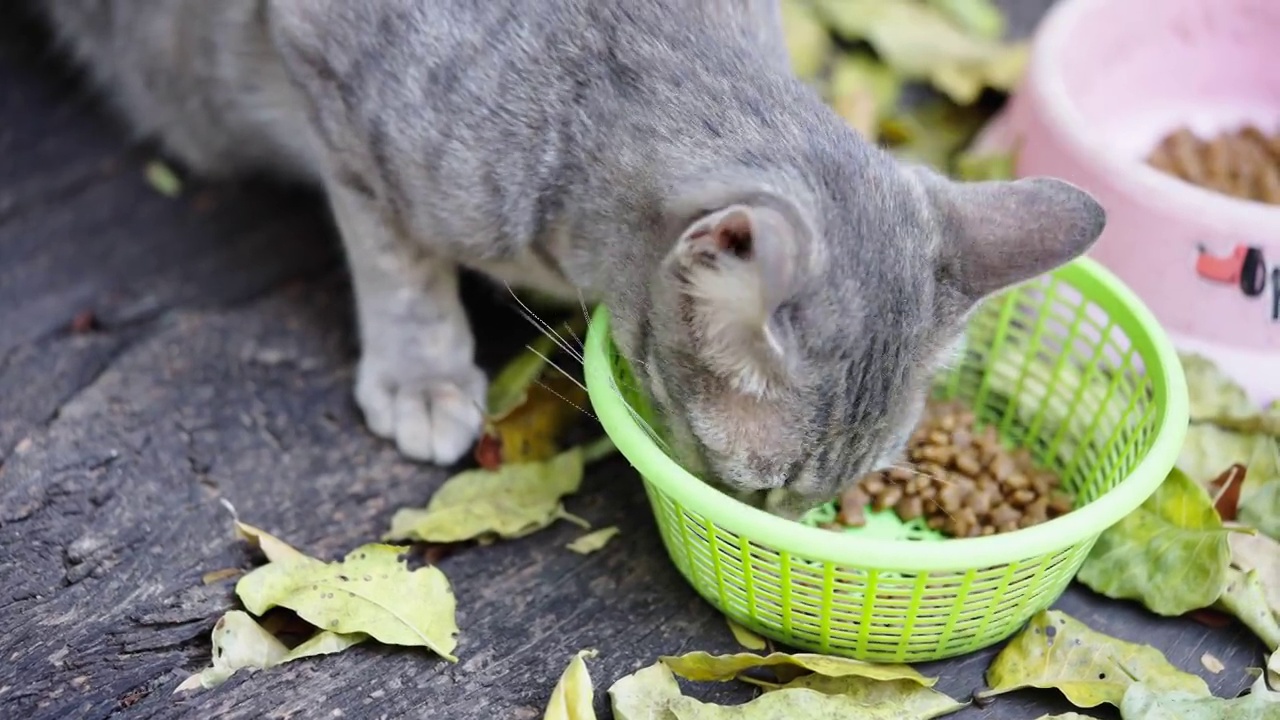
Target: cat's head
(792, 337)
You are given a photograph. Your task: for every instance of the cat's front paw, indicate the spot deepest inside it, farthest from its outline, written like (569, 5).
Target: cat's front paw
(433, 420)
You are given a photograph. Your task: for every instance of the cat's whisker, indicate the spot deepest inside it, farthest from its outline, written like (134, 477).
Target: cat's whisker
(546, 328)
(568, 375)
(567, 401)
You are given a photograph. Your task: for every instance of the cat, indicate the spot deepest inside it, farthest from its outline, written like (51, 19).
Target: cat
(783, 289)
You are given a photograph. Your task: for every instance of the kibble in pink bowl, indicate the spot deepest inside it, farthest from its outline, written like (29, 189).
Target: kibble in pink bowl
(1108, 79)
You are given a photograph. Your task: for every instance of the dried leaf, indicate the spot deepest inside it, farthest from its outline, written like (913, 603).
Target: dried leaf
(509, 388)
(239, 643)
(876, 698)
(703, 667)
(531, 432)
(1255, 552)
(1089, 668)
(977, 17)
(163, 179)
(325, 643)
(808, 41)
(1218, 399)
(1145, 703)
(653, 694)
(1246, 598)
(1171, 553)
(975, 167)
(271, 546)
(1212, 663)
(1208, 450)
(1226, 489)
(370, 591)
(512, 501)
(594, 540)
(745, 637)
(574, 694)
(931, 133)
(863, 91)
(1273, 670)
(214, 576)
(919, 42)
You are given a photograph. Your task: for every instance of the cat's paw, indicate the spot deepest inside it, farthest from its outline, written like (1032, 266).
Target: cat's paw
(434, 420)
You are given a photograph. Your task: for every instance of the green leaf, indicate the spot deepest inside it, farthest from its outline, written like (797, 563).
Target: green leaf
(1145, 703)
(863, 91)
(510, 501)
(975, 167)
(1089, 668)
(1258, 554)
(325, 642)
(370, 591)
(703, 667)
(808, 41)
(1171, 553)
(919, 42)
(653, 694)
(1217, 399)
(1208, 450)
(239, 643)
(163, 179)
(574, 694)
(510, 387)
(977, 17)
(745, 637)
(875, 698)
(593, 541)
(1246, 598)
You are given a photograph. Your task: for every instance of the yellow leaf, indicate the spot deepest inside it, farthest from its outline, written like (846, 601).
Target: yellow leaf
(975, 167)
(239, 643)
(1273, 670)
(932, 132)
(1058, 651)
(509, 388)
(325, 642)
(919, 42)
(271, 546)
(370, 591)
(1261, 554)
(531, 431)
(863, 91)
(876, 698)
(511, 501)
(745, 637)
(1246, 598)
(808, 41)
(653, 694)
(593, 541)
(702, 666)
(574, 694)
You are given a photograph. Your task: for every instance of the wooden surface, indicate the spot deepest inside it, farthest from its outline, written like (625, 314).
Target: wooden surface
(221, 369)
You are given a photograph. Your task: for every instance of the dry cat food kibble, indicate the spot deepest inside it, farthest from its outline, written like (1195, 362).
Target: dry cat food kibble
(1244, 163)
(962, 481)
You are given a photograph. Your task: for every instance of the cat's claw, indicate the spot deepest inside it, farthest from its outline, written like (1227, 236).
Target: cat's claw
(435, 421)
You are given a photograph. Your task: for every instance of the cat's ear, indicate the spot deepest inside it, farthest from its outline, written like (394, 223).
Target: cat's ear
(734, 267)
(998, 234)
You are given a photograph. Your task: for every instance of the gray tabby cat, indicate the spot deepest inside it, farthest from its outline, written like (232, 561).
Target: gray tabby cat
(783, 289)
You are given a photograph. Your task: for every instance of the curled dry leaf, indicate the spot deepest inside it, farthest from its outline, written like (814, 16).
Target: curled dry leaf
(1246, 598)
(919, 42)
(1273, 670)
(325, 642)
(594, 540)
(1216, 398)
(875, 698)
(652, 693)
(370, 591)
(271, 546)
(745, 637)
(239, 643)
(1089, 668)
(1226, 490)
(531, 432)
(511, 501)
(1142, 702)
(1171, 553)
(574, 694)
(704, 667)
(808, 41)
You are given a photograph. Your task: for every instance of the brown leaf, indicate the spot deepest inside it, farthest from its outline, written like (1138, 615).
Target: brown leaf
(1227, 491)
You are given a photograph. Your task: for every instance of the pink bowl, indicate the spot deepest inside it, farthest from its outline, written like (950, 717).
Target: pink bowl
(1107, 80)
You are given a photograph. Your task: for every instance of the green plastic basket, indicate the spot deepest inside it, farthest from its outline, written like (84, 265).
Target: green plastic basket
(1071, 366)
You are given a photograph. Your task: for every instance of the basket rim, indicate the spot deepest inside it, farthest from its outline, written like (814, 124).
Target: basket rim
(1096, 284)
